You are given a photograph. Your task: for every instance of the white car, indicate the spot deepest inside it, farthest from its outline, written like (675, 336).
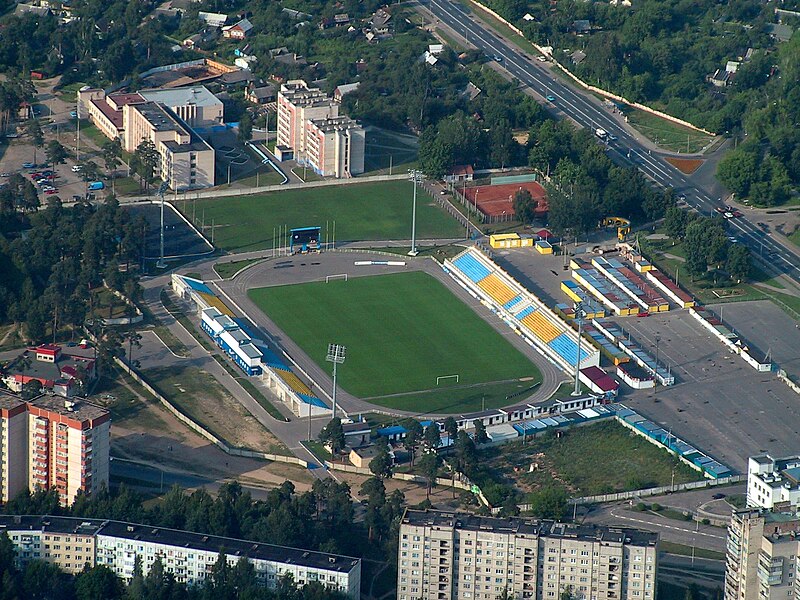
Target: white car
(541, 58)
(76, 168)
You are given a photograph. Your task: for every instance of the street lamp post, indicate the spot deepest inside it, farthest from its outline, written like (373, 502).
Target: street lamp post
(579, 316)
(336, 355)
(655, 389)
(161, 189)
(415, 175)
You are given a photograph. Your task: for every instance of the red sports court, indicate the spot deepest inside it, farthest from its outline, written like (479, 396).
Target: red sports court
(496, 202)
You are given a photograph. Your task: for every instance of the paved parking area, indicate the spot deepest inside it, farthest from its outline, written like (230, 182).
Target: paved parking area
(719, 403)
(764, 324)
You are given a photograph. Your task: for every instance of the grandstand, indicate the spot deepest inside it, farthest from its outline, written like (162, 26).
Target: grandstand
(616, 335)
(198, 293)
(523, 311)
(250, 354)
(592, 308)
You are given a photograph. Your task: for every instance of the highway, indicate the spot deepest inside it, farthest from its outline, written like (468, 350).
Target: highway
(588, 112)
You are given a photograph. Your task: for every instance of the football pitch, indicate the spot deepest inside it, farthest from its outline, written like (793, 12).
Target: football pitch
(362, 212)
(411, 344)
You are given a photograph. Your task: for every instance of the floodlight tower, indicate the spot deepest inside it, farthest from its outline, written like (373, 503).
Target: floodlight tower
(415, 175)
(336, 355)
(161, 189)
(580, 314)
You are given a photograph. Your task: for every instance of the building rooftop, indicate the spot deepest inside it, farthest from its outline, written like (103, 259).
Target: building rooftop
(159, 118)
(335, 124)
(78, 410)
(232, 546)
(534, 527)
(26, 365)
(50, 524)
(115, 116)
(196, 95)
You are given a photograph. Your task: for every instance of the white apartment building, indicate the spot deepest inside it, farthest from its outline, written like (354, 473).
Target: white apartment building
(311, 131)
(190, 557)
(52, 442)
(773, 482)
(446, 555)
(762, 555)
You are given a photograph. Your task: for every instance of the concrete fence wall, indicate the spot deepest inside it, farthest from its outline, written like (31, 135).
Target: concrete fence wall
(216, 193)
(192, 424)
(592, 88)
(658, 491)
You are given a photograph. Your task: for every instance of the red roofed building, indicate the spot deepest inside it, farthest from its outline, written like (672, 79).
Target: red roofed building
(57, 369)
(460, 173)
(599, 381)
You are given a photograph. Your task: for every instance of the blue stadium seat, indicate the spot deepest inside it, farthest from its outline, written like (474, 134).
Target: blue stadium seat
(566, 348)
(514, 301)
(525, 312)
(472, 267)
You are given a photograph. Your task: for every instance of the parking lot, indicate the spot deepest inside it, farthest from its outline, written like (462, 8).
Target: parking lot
(719, 403)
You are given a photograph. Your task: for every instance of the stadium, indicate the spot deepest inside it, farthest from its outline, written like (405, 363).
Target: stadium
(421, 337)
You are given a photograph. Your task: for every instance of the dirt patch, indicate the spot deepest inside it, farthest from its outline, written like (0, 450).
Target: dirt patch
(441, 496)
(687, 166)
(143, 430)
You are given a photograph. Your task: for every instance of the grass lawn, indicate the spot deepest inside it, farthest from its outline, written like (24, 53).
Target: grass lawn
(666, 134)
(229, 269)
(385, 148)
(571, 462)
(369, 211)
(401, 331)
(107, 305)
(795, 237)
(705, 288)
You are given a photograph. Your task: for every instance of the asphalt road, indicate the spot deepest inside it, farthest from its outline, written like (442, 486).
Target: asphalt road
(588, 112)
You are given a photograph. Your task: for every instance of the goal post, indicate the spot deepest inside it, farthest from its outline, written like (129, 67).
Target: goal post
(329, 278)
(444, 377)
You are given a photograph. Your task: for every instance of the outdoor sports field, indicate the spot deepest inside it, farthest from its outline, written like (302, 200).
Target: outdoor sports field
(402, 331)
(365, 211)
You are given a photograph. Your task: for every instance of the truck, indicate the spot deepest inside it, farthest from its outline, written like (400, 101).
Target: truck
(601, 133)
(96, 185)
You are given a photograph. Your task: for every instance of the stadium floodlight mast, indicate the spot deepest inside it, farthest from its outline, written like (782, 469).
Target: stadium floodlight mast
(415, 175)
(580, 315)
(336, 355)
(161, 189)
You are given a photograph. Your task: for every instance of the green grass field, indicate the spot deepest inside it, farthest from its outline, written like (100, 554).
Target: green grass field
(367, 211)
(401, 331)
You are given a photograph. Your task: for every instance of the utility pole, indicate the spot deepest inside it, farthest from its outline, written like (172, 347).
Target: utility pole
(579, 315)
(336, 355)
(161, 190)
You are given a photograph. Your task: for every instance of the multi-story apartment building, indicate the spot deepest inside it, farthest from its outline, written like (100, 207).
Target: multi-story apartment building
(333, 144)
(311, 131)
(762, 555)
(190, 557)
(53, 442)
(773, 482)
(446, 555)
(166, 118)
(187, 161)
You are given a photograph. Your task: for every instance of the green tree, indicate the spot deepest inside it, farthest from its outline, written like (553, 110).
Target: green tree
(42, 581)
(696, 250)
(738, 264)
(34, 129)
(549, 503)
(429, 466)
(381, 464)
(413, 437)
(481, 436)
(245, 128)
(56, 153)
(333, 434)
(451, 428)
(111, 152)
(524, 206)
(675, 222)
(147, 159)
(98, 583)
(432, 436)
(738, 170)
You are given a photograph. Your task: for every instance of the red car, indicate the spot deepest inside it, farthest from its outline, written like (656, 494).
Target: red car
(50, 192)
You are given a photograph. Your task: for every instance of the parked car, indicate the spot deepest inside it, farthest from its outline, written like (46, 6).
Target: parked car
(5, 174)
(73, 114)
(28, 165)
(96, 185)
(77, 168)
